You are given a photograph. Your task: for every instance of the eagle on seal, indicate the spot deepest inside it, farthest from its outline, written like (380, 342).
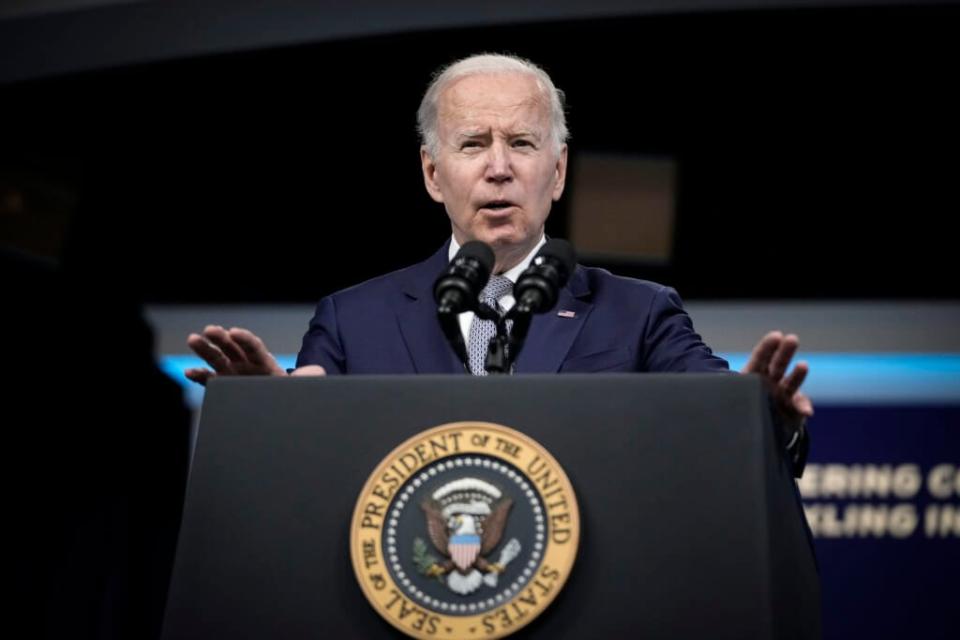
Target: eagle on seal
(465, 521)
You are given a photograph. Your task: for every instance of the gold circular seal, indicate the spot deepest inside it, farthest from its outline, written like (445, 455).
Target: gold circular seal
(466, 530)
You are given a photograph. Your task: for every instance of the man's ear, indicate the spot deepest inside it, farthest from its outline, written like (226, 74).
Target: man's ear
(561, 173)
(430, 175)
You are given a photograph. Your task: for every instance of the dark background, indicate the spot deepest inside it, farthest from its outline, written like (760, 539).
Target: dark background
(161, 159)
(816, 153)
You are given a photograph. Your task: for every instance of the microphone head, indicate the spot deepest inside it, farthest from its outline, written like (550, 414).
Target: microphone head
(479, 251)
(560, 254)
(538, 286)
(458, 287)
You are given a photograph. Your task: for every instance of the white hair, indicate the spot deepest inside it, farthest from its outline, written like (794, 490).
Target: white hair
(488, 63)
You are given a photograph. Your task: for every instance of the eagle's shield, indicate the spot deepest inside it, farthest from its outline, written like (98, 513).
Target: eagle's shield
(463, 550)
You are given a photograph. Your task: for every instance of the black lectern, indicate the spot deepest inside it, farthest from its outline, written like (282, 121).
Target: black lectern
(691, 526)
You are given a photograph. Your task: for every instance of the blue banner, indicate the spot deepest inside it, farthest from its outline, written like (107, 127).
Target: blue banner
(882, 496)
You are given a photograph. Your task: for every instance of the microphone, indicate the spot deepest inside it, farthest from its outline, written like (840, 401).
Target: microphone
(458, 287)
(537, 288)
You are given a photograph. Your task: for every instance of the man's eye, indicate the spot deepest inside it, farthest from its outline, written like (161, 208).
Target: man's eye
(470, 144)
(522, 143)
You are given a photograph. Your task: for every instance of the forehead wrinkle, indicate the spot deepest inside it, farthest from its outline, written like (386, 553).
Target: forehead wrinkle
(507, 131)
(459, 112)
(509, 127)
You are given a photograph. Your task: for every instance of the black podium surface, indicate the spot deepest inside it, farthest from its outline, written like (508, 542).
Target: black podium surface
(691, 526)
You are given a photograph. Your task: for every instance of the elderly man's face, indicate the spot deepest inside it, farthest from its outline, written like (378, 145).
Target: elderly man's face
(497, 170)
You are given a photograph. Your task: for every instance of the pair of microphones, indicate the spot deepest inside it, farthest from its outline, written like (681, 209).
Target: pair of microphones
(458, 289)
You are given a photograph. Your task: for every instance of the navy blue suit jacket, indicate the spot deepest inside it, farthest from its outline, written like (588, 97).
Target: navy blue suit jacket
(389, 325)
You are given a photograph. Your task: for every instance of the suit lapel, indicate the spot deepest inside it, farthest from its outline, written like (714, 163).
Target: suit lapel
(417, 318)
(552, 334)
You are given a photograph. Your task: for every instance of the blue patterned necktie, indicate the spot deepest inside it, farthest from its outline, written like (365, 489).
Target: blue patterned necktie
(481, 331)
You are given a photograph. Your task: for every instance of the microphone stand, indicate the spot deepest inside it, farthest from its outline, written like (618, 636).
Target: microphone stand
(504, 348)
(521, 315)
(498, 360)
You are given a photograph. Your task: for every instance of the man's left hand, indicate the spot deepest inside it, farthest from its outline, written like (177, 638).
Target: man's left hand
(771, 359)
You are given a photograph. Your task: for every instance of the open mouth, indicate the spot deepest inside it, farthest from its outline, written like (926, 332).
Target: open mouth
(497, 205)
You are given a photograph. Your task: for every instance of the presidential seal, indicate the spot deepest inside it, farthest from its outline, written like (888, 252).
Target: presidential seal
(466, 530)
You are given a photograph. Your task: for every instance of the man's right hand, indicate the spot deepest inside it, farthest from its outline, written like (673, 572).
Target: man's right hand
(236, 352)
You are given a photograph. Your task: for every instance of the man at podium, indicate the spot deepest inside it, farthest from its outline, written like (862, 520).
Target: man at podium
(494, 153)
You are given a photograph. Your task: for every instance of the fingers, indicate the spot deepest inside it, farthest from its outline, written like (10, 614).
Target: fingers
(210, 353)
(199, 375)
(763, 352)
(772, 355)
(255, 352)
(791, 384)
(803, 405)
(781, 357)
(236, 351)
(309, 370)
(222, 339)
(771, 359)
(790, 398)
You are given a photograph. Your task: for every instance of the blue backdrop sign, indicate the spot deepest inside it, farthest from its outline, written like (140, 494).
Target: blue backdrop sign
(882, 496)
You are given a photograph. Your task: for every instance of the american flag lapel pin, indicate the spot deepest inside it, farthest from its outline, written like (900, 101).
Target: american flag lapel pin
(564, 313)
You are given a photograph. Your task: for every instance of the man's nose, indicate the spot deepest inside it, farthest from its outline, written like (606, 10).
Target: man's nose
(499, 168)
